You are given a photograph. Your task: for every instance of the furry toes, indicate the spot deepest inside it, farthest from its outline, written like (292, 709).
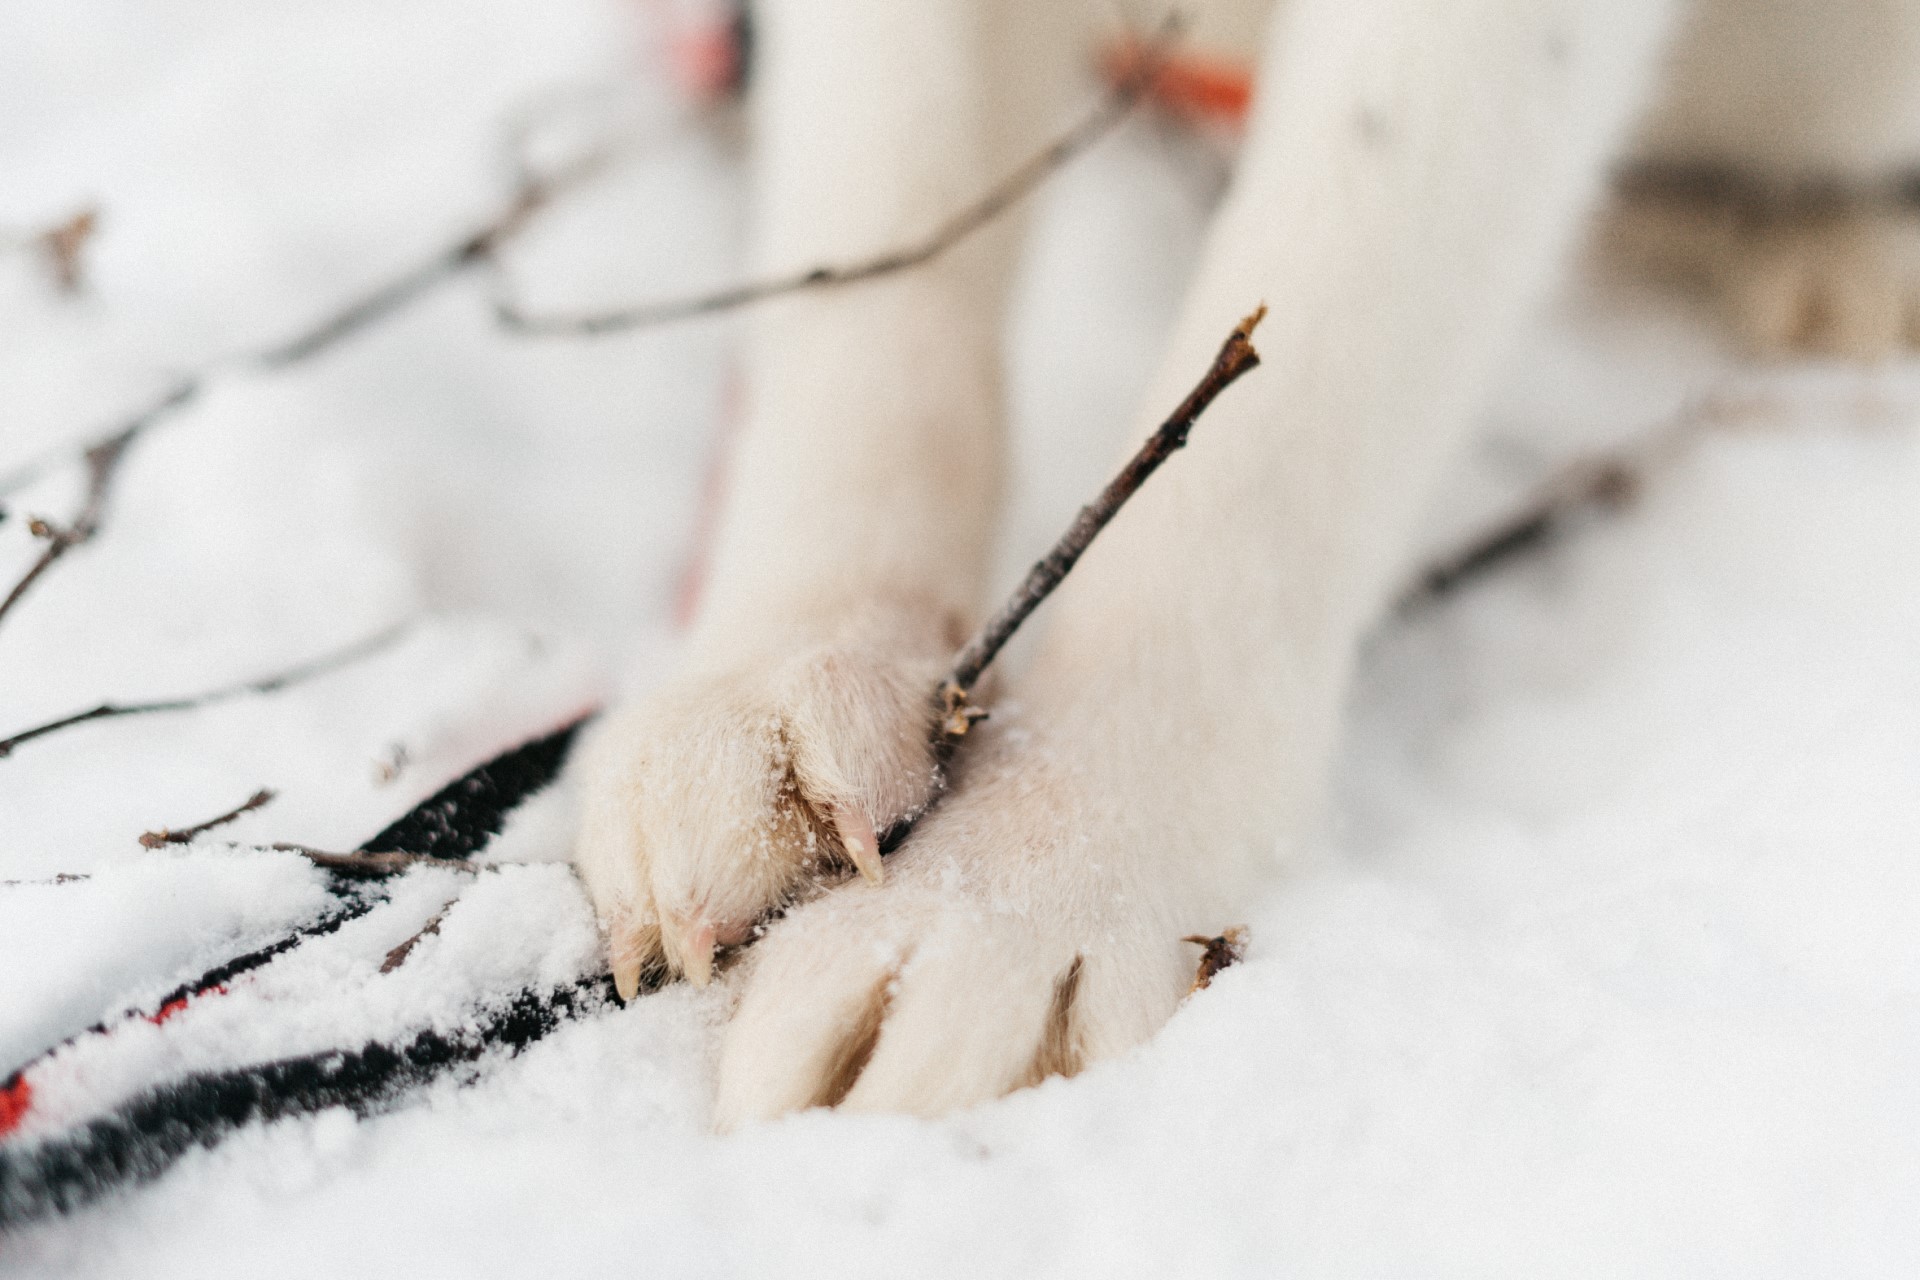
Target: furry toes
(1842, 286)
(725, 796)
(1016, 938)
(1841, 282)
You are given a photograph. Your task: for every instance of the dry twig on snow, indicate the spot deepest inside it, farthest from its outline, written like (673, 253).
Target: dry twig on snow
(64, 877)
(398, 955)
(103, 457)
(61, 246)
(986, 208)
(312, 669)
(1598, 484)
(187, 835)
(368, 864)
(103, 464)
(533, 192)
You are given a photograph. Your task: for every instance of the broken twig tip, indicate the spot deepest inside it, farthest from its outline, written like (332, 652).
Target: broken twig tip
(1224, 950)
(166, 835)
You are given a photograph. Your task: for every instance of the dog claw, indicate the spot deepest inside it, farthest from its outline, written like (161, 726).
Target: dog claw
(631, 949)
(857, 837)
(696, 944)
(626, 978)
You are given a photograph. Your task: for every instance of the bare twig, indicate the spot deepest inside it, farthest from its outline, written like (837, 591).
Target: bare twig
(1223, 951)
(368, 864)
(398, 956)
(65, 877)
(60, 245)
(103, 465)
(187, 835)
(1236, 356)
(1598, 484)
(1592, 485)
(532, 193)
(312, 669)
(64, 245)
(990, 205)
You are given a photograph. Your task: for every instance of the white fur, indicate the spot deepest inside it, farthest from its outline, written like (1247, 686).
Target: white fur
(1413, 175)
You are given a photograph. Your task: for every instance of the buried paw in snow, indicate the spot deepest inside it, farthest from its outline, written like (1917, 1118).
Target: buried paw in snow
(723, 796)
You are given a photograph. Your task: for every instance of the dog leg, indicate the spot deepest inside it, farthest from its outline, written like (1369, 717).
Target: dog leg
(848, 560)
(1412, 176)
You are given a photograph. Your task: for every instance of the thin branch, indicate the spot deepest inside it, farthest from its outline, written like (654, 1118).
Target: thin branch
(61, 246)
(368, 864)
(398, 956)
(1236, 357)
(65, 877)
(312, 669)
(1599, 484)
(64, 247)
(187, 835)
(103, 466)
(374, 864)
(990, 205)
(531, 194)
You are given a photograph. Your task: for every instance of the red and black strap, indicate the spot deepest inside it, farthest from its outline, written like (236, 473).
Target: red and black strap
(142, 1136)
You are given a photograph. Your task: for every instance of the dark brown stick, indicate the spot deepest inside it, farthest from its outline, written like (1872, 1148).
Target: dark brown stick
(103, 457)
(187, 835)
(64, 247)
(65, 877)
(398, 955)
(370, 865)
(1604, 483)
(990, 205)
(1598, 484)
(326, 664)
(103, 466)
(1236, 357)
(533, 193)
(60, 245)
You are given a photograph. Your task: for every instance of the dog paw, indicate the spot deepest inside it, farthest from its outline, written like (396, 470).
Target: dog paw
(1033, 922)
(1841, 282)
(1846, 285)
(723, 796)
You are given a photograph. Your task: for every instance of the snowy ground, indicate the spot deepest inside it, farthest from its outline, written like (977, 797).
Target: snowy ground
(1609, 964)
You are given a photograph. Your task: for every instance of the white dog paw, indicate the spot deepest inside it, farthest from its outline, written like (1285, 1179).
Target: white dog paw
(1841, 282)
(1022, 932)
(1846, 285)
(719, 798)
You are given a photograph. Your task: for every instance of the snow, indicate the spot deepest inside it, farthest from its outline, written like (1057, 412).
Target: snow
(1607, 964)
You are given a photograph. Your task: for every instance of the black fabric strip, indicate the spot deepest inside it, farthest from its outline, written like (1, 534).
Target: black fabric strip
(216, 976)
(458, 820)
(454, 822)
(142, 1137)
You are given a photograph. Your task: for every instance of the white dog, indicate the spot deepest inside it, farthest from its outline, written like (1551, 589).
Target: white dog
(1414, 172)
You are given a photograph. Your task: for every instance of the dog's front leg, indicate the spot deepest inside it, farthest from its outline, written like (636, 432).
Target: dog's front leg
(863, 485)
(1412, 174)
